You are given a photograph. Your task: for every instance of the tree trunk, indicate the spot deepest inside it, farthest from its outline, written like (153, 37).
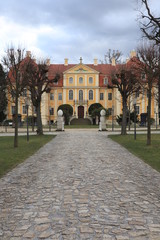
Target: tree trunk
(16, 122)
(129, 116)
(149, 118)
(123, 129)
(32, 120)
(39, 120)
(159, 101)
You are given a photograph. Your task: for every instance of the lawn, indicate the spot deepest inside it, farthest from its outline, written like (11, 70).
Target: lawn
(11, 157)
(149, 154)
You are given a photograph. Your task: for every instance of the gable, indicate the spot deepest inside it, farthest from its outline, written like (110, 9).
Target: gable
(81, 68)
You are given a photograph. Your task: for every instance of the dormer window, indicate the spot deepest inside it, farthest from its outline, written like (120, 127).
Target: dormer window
(105, 81)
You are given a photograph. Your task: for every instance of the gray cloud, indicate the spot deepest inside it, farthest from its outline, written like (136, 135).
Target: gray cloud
(84, 28)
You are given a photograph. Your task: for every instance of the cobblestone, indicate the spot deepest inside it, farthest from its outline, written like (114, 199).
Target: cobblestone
(81, 185)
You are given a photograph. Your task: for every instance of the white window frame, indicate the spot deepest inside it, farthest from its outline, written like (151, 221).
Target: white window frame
(101, 94)
(109, 98)
(13, 109)
(80, 80)
(24, 109)
(70, 97)
(90, 80)
(51, 111)
(137, 109)
(70, 80)
(60, 96)
(80, 95)
(105, 81)
(90, 94)
(51, 96)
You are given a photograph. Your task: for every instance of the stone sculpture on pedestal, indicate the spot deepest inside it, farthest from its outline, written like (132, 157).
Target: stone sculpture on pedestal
(60, 122)
(102, 123)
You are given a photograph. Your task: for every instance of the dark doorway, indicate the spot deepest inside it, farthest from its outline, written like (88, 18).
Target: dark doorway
(80, 112)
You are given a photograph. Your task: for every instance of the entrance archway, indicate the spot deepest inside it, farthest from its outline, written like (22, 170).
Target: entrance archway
(80, 112)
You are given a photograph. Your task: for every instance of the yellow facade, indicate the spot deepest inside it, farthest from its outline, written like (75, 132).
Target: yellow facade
(81, 88)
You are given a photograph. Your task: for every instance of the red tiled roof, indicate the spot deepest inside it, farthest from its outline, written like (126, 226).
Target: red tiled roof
(105, 70)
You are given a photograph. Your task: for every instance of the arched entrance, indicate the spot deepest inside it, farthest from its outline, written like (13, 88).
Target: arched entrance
(80, 112)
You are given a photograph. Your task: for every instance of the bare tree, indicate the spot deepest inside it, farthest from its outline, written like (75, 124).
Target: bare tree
(12, 61)
(148, 66)
(150, 24)
(38, 82)
(125, 80)
(3, 98)
(110, 54)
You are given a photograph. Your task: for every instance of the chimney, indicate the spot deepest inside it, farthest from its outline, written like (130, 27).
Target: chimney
(66, 62)
(95, 62)
(80, 60)
(113, 61)
(133, 54)
(48, 62)
(28, 53)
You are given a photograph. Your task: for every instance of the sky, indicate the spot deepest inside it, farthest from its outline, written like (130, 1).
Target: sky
(59, 29)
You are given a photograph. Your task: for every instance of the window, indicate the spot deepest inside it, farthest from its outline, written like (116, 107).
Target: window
(110, 111)
(90, 80)
(34, 110)
(101, 96)
(105, 81)
(143, 91)
(13, 110)
(143, 76)
(51, 110)
(80, 80)
(13, 94)
(70, 94)
(137, 94)
(90, 95)
(80, 95)
(25, 109)
(60, 96)
(70, 80)
(24, 93)
(109, 96)
(137, 109)
(51, 96)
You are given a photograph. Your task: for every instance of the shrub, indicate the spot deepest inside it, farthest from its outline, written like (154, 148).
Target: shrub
(67, 112)
(152, 121)
(119, 118)
(96, 112)
(94, 106)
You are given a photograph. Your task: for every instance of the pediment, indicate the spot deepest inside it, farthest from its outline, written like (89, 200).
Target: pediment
(81, 68)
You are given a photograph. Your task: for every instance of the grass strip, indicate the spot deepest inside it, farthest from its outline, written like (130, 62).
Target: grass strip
(11, 157)
(149, 154)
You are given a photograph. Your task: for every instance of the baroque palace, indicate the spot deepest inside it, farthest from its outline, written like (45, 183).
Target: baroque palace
(80, 86)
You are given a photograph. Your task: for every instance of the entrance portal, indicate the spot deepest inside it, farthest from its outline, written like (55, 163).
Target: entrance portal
(80, 112)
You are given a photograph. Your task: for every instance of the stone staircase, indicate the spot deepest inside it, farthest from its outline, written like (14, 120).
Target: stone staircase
(80, 121)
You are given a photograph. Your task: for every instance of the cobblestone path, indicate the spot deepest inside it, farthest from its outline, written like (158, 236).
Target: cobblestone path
(81, 186)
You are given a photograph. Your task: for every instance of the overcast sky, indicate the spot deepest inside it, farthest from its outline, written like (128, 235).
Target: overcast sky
(59, 29)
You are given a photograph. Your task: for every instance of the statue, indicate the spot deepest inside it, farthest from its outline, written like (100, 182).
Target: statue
(102, 123)
(60, 121)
